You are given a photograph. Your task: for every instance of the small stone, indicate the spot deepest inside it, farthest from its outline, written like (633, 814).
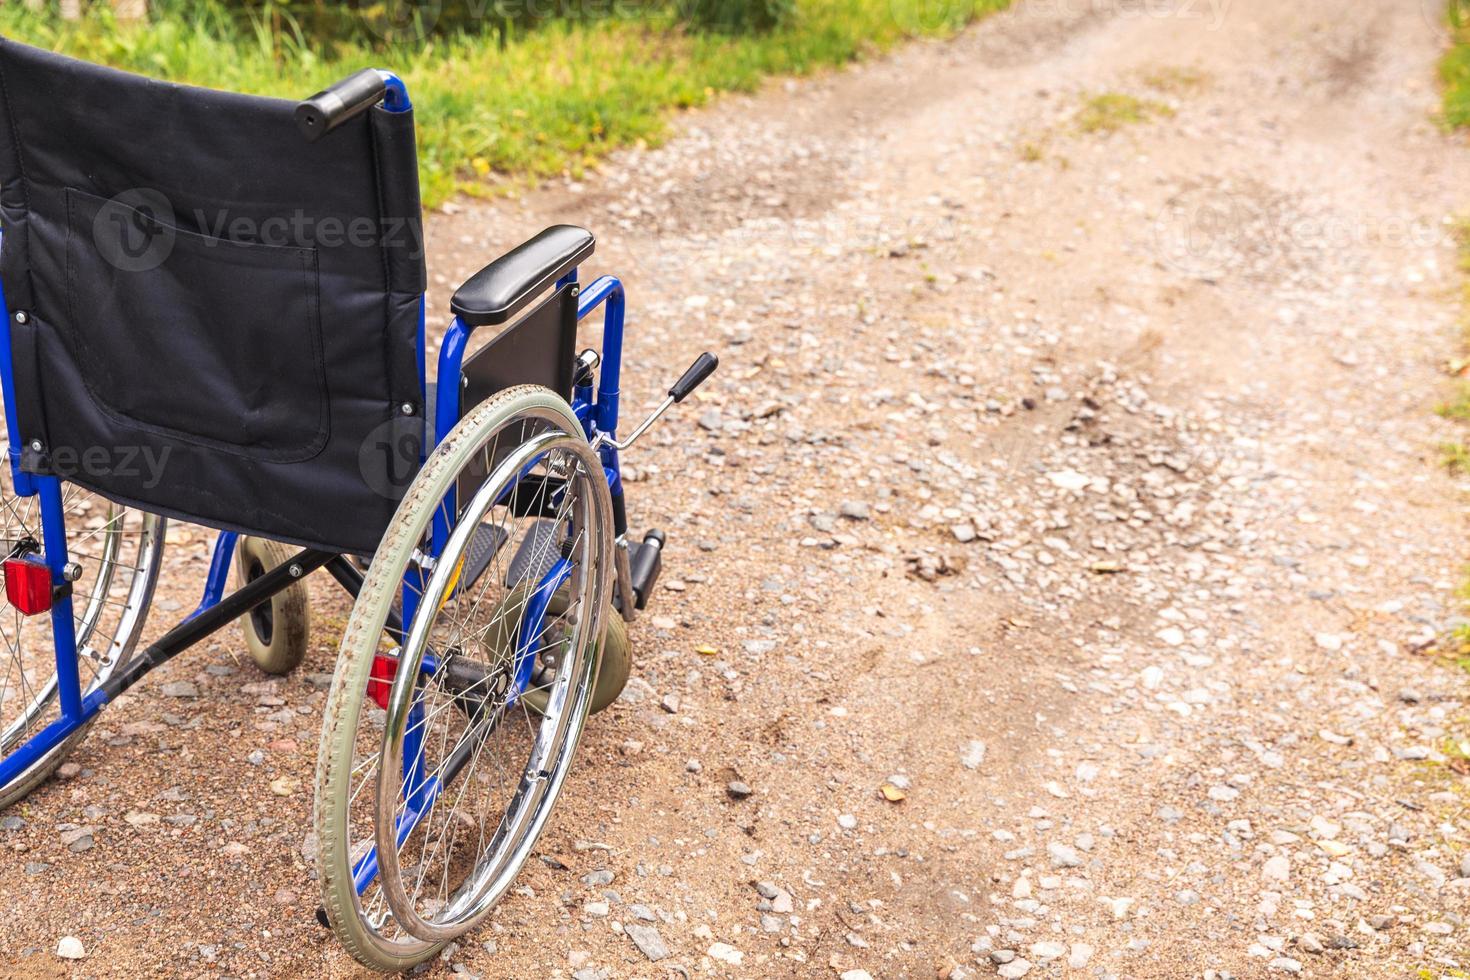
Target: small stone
(68, 770)
(847, 821)
(597, 879)
(648, 941)
(71, 948)
(1277, 868)
(1063, 856)
(738, 790)
(1081, 953)
(1309, 943)
(597, 909)
(1286, 964)
(1068, 480)
(855, 510)
(138, 818)
(1001, 956)
(1465, 865)
(180, 689)
(973, 755)
(963, 533)
(712, 420)
(670, 703)
(726, 953)
(12, 823)
(693, 765)
(1015, 969)
(860, 975)
(1045, 952)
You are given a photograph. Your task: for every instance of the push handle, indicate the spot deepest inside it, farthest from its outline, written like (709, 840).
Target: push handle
(698, 374)
(333, 106)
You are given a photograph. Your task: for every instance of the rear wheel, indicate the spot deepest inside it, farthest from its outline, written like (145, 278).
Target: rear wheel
(427, 810)
(117, 553)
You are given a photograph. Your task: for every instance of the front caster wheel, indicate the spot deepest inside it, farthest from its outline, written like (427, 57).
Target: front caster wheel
(276, 632)
(613, 667)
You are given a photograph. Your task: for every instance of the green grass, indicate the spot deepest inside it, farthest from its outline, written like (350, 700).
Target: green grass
(1454, 76)
(552, 101)
(1458, 407)
(1113, 110)
(1455, 457)
(1176, 79)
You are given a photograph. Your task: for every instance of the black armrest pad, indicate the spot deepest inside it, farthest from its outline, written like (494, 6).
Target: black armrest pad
(504, 287)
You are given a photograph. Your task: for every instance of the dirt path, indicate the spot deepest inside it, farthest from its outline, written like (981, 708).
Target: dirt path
(1081, 485)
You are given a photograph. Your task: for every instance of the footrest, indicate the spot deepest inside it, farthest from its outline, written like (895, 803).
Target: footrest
(538, 552)
(487, 542)
(645, 562)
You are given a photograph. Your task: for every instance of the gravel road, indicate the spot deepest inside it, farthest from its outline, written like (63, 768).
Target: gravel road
(1065, 524)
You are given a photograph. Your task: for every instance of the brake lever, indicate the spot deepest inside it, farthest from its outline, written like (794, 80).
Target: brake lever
(699, 372)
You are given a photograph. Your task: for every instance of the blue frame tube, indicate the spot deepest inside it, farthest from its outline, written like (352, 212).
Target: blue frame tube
(532, 624)
(219, 572)
(63, 627)
(609, 290)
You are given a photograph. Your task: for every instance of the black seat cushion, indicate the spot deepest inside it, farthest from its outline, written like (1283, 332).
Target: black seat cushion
(504, 287)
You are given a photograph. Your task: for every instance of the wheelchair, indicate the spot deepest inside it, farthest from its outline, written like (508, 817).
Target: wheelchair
(213, 312)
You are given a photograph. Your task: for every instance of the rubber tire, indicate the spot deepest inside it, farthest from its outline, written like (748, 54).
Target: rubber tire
(360, 642)
(616, 663)
(290, 610)
(612, 670)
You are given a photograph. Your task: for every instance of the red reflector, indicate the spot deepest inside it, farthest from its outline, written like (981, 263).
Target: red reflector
(28, 585)
(380, 681)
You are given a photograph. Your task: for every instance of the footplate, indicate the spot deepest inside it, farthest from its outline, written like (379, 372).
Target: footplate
(538, 552)
(487, 542)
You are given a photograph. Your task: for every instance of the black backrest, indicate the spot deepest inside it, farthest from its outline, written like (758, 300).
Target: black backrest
(194, 286)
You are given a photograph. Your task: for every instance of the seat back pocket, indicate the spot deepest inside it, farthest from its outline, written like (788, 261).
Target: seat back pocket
(202, 339)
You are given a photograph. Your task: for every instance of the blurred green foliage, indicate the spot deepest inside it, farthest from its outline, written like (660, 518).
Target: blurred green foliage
(496, 107)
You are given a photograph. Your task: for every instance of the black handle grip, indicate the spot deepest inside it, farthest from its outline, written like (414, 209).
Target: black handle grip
(697, 375)
(333, 106)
